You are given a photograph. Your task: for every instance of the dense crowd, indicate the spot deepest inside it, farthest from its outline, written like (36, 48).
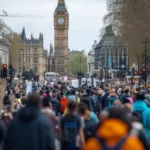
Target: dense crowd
(88, 118)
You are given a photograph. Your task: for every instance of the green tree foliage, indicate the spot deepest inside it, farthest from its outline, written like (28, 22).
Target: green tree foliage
(74, 63)
(131, 20)
(0, 64)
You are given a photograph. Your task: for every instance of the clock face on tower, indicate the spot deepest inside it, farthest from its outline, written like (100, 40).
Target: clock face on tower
(60, 20)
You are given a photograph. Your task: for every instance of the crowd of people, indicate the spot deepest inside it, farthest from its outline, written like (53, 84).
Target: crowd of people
(68, 118)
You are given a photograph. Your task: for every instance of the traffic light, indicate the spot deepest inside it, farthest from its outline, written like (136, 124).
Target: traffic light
(4, 70)
(143, 70)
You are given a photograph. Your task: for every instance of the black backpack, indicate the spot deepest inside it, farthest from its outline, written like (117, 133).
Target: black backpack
(116, 147)
(70, 128)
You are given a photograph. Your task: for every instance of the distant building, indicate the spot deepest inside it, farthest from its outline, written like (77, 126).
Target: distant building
(4, 47)
(50, 61)
(91, 59)
(32, 56)
(110, 55)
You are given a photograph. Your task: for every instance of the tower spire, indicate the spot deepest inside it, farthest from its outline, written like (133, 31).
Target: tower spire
(61, 1)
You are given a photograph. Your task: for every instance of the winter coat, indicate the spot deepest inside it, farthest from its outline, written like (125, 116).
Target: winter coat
(55, 105)
(30, 130)
(88, 99)
(140, 105)
(112, 96)
(124, 96)
(104, 100)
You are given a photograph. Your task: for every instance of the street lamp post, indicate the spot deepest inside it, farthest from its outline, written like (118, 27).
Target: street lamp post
(139, 68)
(100, 65)
(145, 61)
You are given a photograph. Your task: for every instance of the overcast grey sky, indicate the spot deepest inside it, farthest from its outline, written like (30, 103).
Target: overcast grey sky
(86, 19)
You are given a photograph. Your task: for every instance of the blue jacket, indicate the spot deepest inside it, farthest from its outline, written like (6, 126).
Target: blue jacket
(140, 105)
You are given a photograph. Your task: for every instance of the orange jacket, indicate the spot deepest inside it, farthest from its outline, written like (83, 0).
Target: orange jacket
(112, 131)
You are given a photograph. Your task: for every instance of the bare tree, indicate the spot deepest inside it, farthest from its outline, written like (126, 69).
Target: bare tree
(131, 19)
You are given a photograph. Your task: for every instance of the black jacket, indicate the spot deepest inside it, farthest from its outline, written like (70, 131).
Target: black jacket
(88, 99)
(30, 130)
(104, 100)
(55, 105)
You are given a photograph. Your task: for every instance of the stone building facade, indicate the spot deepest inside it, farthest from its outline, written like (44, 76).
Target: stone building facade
(91, 59)
(32, 56)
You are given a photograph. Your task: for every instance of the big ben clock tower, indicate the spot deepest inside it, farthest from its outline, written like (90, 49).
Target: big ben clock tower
(61, 23)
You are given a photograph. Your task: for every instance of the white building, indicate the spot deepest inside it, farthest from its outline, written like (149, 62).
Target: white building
(4, 47)
(91, 59)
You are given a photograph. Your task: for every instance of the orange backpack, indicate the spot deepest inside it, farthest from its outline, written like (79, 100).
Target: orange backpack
(63, 104)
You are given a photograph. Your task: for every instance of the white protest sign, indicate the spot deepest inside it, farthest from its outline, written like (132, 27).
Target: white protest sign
(89, 82)
(94, 82)
(83, 81)
(45, 82)
(65, 78)
(28, 88)
(75, 83)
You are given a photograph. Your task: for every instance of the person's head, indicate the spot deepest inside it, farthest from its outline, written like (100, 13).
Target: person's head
(34, 100)
(72, 92)
(6, 117)
(84, 111)
(45, 102)
(128, 100)
(140, 96)
(126, 91)
(88, 92)
(77, 93)
(82, 91)
(55, 86)
(117, 104)
(104, 115)
(41, 92)
(72, 108)
(68, 92)
(48, 92)
(127, 107)
(148, 90)
(24, 100)
(100, 92)
(121, 114)
(54, 94)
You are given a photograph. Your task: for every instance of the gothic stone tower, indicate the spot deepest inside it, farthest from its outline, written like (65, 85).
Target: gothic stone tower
(61, 23)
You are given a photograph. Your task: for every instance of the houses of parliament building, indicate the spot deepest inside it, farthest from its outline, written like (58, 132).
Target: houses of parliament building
(34, 56)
